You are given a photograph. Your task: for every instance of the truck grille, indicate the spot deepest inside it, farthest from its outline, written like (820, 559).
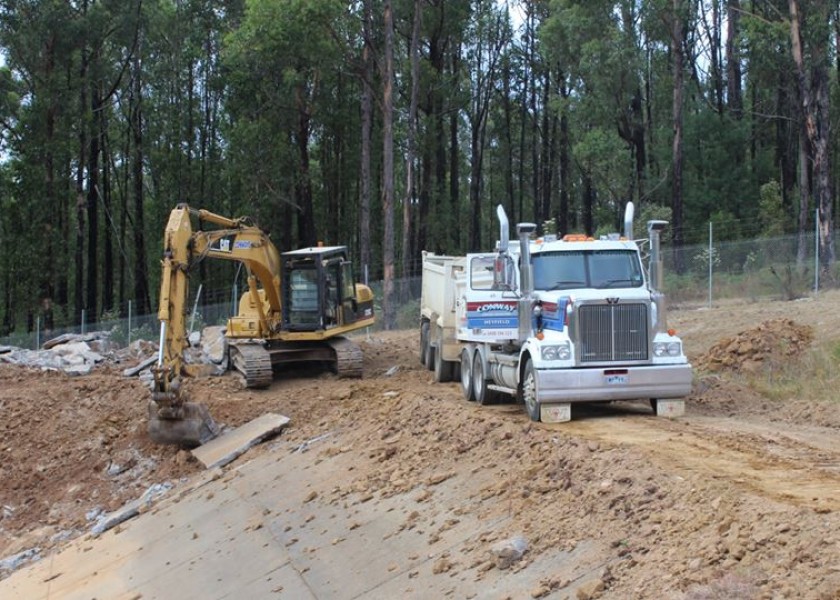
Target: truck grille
(613, 332)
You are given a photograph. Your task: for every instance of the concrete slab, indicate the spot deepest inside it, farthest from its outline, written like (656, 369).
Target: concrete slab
(229, 446)
(279, 526)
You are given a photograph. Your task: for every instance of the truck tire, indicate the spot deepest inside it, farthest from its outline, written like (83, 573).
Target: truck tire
(424, 342)
(482, 395)
(428, 350)
(529, 392)
(444, 369)
(466, 375)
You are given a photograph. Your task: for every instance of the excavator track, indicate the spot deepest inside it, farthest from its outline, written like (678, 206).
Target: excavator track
(254, 362)
(348, 358)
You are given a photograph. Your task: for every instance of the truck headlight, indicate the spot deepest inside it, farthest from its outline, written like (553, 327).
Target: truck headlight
(556, 352)
(667, 348)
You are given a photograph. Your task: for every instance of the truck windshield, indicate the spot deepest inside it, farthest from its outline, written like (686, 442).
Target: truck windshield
(602, 269)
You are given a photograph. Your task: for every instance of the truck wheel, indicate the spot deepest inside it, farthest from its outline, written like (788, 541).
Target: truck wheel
(466, 375)
(424, 341)
(428, 350)
(444, 369)
(483, 395)
(529, 392)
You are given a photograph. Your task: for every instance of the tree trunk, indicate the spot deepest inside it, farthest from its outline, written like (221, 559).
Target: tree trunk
(454, 164)
(507, 75)
(367, 125)
(813, 84)
(588, 205)
(411, 142)
(565, 175)
(733, 59)
(677, 146)
(388, 305)
(142, 297)
(48, 278)
(303, 181)
(108, 229)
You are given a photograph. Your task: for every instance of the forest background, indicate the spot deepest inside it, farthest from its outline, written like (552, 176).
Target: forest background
(395, 126)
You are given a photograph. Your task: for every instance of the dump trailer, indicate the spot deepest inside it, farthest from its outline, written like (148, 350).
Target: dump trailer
(551, 322)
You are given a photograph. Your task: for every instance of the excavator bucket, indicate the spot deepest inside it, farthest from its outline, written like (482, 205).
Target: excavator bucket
(189, 425)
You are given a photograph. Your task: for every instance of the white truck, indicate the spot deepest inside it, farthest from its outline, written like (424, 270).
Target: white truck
(552, 322)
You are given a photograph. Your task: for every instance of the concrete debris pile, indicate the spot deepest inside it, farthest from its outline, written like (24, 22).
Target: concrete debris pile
(73, 354)
(78, 354)
(769, 346)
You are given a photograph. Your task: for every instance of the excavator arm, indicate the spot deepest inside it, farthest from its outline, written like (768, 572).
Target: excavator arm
(172, 418)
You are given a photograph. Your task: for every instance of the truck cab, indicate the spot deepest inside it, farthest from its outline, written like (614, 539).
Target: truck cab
(552, 322)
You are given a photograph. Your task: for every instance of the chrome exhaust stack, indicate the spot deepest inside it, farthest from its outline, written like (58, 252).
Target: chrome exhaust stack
(504, 229)
(629, 211)
(526, 280)
(655, 229)
(655, 270)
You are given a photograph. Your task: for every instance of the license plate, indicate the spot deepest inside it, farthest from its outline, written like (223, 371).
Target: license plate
(616, 379)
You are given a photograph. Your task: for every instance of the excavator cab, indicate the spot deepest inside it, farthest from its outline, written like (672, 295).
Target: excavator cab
(318, 290)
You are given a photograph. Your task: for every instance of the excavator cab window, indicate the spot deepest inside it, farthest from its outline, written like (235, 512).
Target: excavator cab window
(304, 310)
(331, 295)
(349, 302)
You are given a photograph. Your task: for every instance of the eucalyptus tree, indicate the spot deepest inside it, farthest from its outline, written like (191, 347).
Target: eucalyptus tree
(810, 40)
(282, 61)
(40, 113)
(598, 47)
(488, 34)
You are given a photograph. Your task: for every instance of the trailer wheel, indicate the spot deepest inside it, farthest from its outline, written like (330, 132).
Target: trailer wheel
(466, 375)
(483, 395)
(444, 369)
(427, 351)
(424, 341)
(529, 392)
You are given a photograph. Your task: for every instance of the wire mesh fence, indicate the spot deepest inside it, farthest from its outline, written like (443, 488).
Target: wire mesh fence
(782, 268)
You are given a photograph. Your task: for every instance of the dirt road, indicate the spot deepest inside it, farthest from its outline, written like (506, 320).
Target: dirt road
(738, 499)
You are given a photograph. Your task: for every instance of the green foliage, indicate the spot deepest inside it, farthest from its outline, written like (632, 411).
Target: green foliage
(771, 211)
(602, 155)
(222, 92)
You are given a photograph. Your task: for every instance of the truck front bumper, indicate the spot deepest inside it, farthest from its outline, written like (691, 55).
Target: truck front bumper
(631, 383)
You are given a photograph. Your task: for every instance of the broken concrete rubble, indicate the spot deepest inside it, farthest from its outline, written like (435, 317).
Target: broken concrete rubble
(78, 354)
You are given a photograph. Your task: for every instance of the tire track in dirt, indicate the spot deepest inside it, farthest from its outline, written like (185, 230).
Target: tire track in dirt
(758, 458)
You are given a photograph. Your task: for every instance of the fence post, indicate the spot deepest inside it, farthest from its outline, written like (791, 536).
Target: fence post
(82, 329)
(37, 332)
(711, 261)
(129, 323)
(195, 308)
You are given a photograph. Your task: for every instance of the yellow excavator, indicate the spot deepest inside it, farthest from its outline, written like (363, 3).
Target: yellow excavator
(298, 307)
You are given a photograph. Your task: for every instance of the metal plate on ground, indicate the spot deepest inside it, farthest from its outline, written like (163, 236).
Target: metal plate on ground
(555, 413)
(232, 444)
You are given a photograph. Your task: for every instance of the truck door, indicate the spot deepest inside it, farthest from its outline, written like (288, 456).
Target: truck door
(488, 309)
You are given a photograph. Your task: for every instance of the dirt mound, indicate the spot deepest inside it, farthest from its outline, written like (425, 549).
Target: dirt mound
(768, 346)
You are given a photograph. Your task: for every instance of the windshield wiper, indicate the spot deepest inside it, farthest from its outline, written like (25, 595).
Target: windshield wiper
(610, 283)
(565, 283)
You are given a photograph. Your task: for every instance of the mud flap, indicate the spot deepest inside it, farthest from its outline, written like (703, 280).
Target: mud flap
(189, 425)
